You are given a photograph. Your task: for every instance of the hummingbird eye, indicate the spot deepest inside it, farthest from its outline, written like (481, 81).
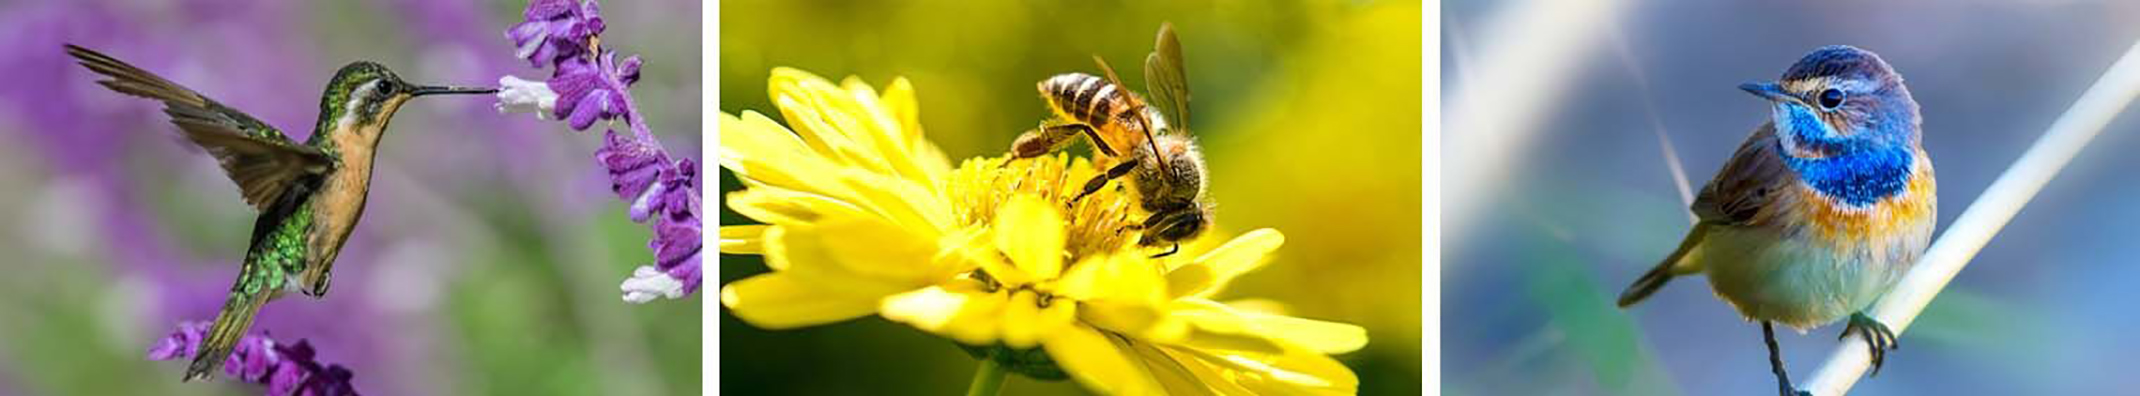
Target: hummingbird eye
(1831, 98)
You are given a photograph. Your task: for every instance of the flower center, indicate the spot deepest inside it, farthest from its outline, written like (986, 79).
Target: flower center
(1097, 223)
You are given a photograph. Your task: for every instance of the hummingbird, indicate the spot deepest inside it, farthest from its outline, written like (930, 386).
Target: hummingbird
(309, 196)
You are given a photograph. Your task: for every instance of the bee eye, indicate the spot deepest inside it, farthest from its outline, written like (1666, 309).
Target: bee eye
(1831, 98)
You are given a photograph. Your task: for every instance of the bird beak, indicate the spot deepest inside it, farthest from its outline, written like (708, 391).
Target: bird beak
(442, 90)
(1771, 91)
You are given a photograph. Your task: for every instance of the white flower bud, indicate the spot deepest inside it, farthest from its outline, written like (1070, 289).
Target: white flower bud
(516, 95)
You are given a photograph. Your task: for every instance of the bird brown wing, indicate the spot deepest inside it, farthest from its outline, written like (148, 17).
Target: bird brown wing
(1749, 183)
(264, 162)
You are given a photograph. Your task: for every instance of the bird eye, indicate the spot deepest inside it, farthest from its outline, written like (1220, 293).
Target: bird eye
(1831, 98)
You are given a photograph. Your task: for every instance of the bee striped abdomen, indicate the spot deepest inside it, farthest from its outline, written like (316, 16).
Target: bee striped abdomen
(1085, 98)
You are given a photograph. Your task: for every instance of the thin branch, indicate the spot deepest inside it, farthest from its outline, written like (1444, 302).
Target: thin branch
(2004, 198)
(1618, 40)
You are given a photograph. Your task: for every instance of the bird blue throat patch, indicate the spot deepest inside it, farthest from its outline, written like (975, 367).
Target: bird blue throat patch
(1857, 178)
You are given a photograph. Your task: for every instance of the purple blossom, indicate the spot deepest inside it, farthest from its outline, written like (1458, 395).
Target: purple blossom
(290, 369)
(555, 31)
(590, 84)
(634, 165)
(589, 90)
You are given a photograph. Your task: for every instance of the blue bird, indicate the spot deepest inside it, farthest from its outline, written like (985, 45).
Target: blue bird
(1820, 210)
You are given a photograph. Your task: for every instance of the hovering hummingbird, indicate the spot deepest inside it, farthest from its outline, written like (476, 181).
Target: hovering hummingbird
(309, 195)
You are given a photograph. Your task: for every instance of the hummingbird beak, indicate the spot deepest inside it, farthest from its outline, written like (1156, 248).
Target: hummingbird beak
(1771, 91)
(422, 90)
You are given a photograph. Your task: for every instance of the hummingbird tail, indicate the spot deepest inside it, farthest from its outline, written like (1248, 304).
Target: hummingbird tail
(1665, 270)
(230, 325)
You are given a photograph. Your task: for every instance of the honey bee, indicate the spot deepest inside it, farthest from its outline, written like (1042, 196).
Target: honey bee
(1135, 139)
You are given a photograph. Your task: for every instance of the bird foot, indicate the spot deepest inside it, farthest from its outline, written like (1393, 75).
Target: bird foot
(1878, 338)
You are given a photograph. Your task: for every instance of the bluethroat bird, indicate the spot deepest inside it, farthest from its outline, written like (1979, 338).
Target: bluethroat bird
(309, 194)
(1820, 210)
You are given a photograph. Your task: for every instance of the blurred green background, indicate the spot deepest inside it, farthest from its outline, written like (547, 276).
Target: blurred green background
(488, 260)
(1308, 111)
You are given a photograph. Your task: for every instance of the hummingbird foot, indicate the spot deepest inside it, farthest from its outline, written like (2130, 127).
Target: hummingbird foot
(1878, 338)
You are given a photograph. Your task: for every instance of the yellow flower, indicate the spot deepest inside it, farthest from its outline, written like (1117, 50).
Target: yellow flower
(1112, 323)
(856, 204)
(864, 216)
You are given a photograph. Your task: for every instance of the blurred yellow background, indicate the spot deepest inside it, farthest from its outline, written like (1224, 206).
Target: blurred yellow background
(1308, 111)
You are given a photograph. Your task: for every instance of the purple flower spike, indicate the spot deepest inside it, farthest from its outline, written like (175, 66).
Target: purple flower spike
(633, 165)
(590, 86)
(677, 251)
(555, 30)
(589, 91)
(285, 369)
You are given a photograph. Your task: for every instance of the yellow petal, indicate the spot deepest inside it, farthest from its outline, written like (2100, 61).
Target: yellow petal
(775, 205)
(904, 201)
(1295, 372)
(930, 309)
(1138, 320)
(1126, 279)
(1238, 256)
(1174, 375)
(933, 161)
(775, 251)
(743, 239)
(990, 259)
(1320, 336)
(899, 100)
(1030, 231)
(821, 256)
(796, 93)
(1190, 279)
(871, 248)
(781, 301)
(761, 151)
(884, 136)
(1098, 364)
(1021, 321)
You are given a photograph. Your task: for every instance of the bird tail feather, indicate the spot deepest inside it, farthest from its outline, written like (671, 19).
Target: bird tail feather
(1664, 272)
(230, 325)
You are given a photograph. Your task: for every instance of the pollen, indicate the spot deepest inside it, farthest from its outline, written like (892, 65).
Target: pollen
(1100, 222)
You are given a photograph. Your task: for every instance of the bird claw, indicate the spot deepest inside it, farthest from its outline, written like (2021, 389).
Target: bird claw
(1878, 338)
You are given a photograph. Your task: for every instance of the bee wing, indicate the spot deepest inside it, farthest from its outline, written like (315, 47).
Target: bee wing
(1163, 76)
(1745, 190)
(262, 160)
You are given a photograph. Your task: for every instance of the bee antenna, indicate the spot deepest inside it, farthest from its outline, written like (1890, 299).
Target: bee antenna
(1143, 122)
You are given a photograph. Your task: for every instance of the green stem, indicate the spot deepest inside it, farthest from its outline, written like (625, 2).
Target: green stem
(987, 380)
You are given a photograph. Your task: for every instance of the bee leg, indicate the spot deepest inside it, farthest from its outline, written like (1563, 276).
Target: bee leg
(1878, 338)
(1094, 135)
(1170, 252)
(1051, 137)
(1093, 186)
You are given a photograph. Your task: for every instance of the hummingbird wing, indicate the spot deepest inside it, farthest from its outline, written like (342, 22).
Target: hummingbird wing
(264, 162)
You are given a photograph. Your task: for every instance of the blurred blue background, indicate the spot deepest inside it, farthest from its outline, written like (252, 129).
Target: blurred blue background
(489, 257)
(1527, 286)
